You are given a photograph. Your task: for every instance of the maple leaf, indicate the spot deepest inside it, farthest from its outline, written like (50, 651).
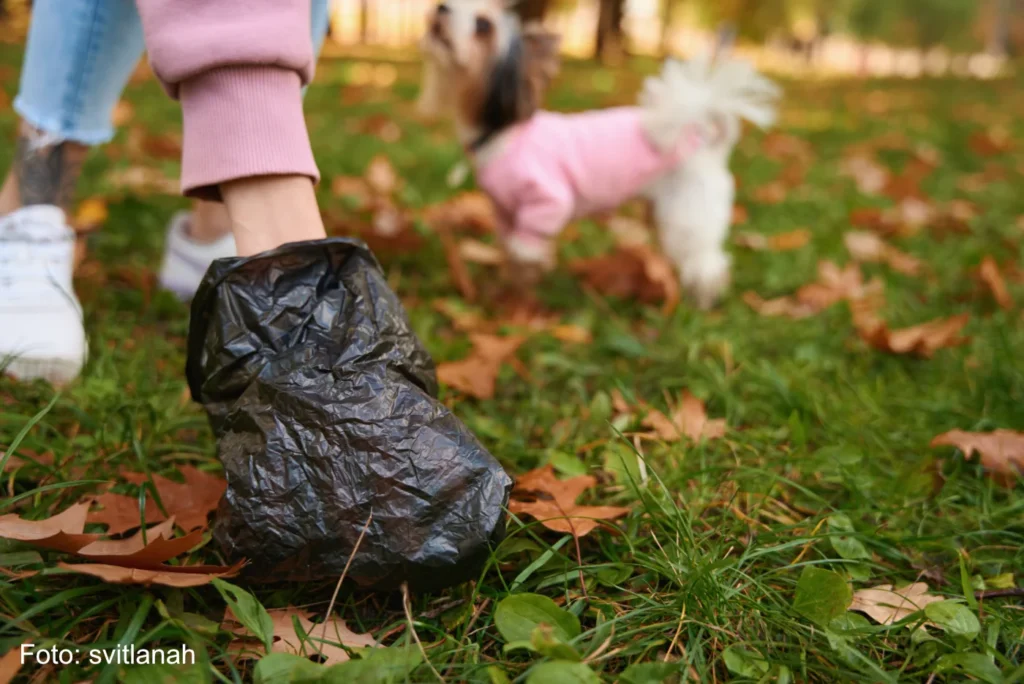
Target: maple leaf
(864, 246)
(558, 510)
(921, 340)
(1001, 452)
(993, 280)
(471, 212)
(381, 176)
(631, 272)
(189, 503)
(886, 605)
(179, 576)
(287, 640)
(783, 242)
(62, 532)
(687, 419)
(477, 374)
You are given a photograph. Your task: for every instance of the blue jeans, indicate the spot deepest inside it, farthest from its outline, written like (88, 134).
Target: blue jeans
(79, 57)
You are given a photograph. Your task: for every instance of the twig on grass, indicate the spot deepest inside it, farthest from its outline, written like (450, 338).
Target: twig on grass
(407, 606)
(337, 587)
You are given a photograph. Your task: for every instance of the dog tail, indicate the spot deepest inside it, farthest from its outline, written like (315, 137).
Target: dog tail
(707, 91)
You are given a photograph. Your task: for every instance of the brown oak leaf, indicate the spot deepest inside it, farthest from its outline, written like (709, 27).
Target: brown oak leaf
(552, 502)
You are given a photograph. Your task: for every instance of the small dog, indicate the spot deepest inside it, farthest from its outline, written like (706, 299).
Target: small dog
(544, 169)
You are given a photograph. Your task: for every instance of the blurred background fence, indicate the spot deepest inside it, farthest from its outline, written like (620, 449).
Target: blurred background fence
(866, 37)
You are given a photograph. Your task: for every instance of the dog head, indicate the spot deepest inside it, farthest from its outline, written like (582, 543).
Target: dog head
(483, 65)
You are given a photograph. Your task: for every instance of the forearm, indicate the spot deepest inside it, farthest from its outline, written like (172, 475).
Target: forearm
(238, 67)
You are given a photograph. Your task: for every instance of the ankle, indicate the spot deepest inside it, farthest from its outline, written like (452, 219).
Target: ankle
(269, 211)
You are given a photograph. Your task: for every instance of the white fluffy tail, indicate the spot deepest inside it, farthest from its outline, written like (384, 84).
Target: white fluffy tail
(707, 92)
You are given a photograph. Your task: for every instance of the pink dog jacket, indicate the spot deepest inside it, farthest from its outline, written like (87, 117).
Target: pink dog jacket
(558, 167)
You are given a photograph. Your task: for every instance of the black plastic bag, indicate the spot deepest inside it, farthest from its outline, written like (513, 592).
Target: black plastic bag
(322, 399)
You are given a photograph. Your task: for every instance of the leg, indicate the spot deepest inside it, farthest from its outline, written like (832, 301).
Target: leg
(80, 53)
(210, 221)
(693, 212)
(79, 56)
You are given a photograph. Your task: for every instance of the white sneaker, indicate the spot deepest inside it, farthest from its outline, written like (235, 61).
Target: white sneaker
(186, 261)
(41, 333)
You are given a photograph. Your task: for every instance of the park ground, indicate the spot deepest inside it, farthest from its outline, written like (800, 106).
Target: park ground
(726, 565)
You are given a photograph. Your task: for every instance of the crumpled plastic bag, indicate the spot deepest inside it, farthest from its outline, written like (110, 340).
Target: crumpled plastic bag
(322, 399)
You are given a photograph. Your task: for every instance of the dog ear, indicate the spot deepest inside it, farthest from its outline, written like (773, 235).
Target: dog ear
(542, 48)
(510, 97)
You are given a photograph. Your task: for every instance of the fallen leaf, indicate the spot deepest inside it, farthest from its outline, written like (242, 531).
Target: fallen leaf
(477, 374)
(789, 307)
(629, 231)
(631, 272)
(190, 502)
(573, 334)
(1001, 452)
(886, 605)
(381, 176)
(147, 550)
(864, 246)
(991, 142)
(870, 176)
(120, 512)
(772, 193)
(740, 215)
(456, 266)
(62, 532)
(782, 242)
(287, 640)
(921, 340)
(471, 212)
(91, 214)
(10, 664)
(687, 419)
(476, 252)
(834, 284)
(144, 180)
(352, 188)
(123, 113)
(558, 510)
(179, 576)
(993, 279)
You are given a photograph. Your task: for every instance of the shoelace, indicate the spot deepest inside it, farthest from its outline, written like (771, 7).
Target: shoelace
(29, 264)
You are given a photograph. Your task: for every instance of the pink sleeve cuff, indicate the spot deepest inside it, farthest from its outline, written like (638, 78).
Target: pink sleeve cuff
(243, 121)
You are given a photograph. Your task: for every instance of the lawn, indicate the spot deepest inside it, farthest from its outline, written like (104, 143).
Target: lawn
(738, 554)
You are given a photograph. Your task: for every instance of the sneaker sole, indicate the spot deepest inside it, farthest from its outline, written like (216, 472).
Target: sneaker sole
(58, 372)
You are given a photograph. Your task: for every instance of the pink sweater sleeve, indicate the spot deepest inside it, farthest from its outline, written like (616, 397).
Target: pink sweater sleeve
(238, 67)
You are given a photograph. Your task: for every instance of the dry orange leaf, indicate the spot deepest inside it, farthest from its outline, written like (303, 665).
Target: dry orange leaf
(864, 246)
(783, 242)
(993, 279)
(120, 512)
(921, 340)
(779, 306)
(287, 640)
(470, 212)
(553, 502)
(189, 502)
(772, 193)
(10, 664)
(91, 214)
(1001, 452)
(687, 419)
(869, 176)
(629, 231)
(477, 374)
(631, 272)
(123, 113)
(62, 532)
(165, 575)
(886, 605)
(352, 187)
(139, 551)
(476, 252)
(381, 176)
(572, 334)
(834, 285)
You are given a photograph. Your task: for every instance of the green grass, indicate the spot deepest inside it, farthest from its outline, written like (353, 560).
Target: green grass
(710, 558)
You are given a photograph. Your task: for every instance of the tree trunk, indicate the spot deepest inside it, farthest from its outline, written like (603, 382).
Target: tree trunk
(610, 43)
(666, 26)
(533, 10)
(999, 38)
(364, 21)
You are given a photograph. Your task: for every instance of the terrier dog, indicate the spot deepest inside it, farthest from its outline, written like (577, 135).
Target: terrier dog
(544, 169)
